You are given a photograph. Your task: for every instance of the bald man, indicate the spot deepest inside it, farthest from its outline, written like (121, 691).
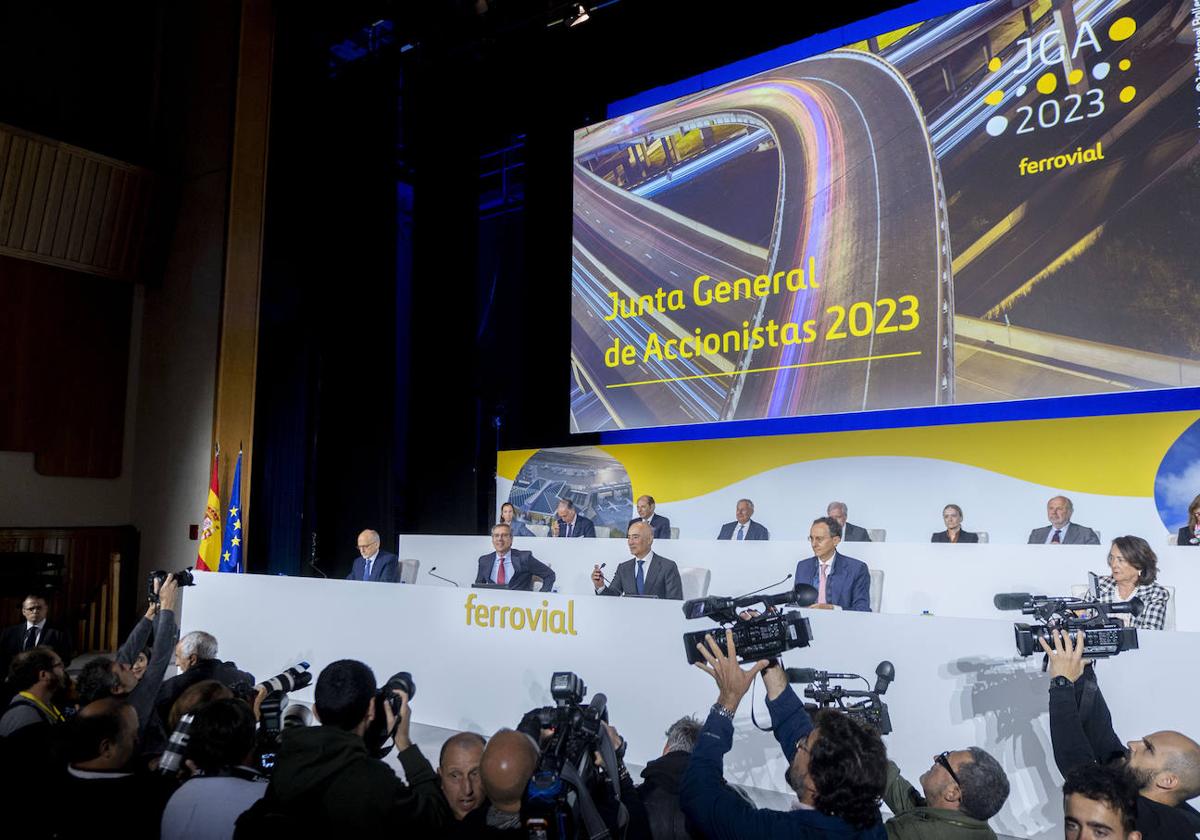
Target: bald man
(505, 769)
(645, 574)
(373, 564)
(458, 772)
(1061, 530)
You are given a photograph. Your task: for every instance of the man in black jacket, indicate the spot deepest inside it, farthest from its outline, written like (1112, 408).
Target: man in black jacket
(196, 659)
(1165, 765)
(663, 776)
(34, 631)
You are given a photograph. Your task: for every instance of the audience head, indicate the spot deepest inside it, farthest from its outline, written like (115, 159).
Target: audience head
(507, 512)
(39, 671)
(1166, 766)
(565, 510)
(103, 736)
(838, 511)
(222, 736)
(34, 608)
(952, 515)
(1194, 512)
(139, 663)
(640, 538)
(824, 536)
(1059, 511)
(368, 543)
(969, 780)
(344, 694)
(506, 767)
(458, 770)
(645, 507)
(104, 677)
(192, 647)
(502, 537)
(1100, 803)
(195, 696)
(682, 735)
(1131, 560)
(841, 769)
(744, 510)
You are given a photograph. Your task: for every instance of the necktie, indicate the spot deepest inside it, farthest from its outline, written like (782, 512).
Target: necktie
(821, 588)
(30, 638)
(367, 573)
(641, 579)
(569, 524)
(741, 532)
(1057, 538)
(501, 578)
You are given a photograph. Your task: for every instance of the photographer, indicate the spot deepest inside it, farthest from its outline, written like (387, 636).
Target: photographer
(962, 790)
(196, 659)
(838, 766)
(325, 781)
(1165, 765)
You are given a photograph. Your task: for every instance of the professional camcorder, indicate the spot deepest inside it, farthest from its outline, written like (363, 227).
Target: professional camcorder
(183, 578)
(1103, 635)
(760, 637)
(866, 706)
(277, 714)
(377, 735)
(558, 803)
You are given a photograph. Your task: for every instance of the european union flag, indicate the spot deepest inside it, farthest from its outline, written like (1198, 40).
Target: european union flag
(231, 551)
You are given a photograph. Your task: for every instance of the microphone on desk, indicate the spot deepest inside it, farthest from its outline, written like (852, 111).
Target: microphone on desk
(433, 569)
(312, 556)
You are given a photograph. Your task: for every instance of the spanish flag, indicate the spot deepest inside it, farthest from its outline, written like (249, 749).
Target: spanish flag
(209, 556)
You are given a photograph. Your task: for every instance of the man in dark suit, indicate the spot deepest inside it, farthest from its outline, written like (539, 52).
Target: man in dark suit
(1061, 530)
(840, 580)
(646, 573)
(510, 566)
(569, 522)
(743, 528)
(31, 633)
(850, 531)
(373, 564)
(659, 524)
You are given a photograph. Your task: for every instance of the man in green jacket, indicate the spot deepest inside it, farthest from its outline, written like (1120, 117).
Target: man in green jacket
(962, 790)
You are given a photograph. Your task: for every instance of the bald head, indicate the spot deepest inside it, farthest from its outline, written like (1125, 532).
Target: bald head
(368, 543)
(1167, 766)
(103, 735)
(508, 763)
(640, 537)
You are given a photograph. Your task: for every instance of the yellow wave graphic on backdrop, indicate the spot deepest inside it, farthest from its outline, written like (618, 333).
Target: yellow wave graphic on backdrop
(1113, 456)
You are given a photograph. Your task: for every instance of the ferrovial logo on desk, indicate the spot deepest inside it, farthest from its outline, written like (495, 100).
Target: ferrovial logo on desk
(543, 620)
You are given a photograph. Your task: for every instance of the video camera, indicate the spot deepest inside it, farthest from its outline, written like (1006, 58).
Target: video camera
(183, 578)
(763, 636)
(1103, 636)
(558, 803)
(865, 706)
(277, 714)
(377, 734)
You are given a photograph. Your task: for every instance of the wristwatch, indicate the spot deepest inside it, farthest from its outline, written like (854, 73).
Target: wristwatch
(1060, 682)
(722, 711)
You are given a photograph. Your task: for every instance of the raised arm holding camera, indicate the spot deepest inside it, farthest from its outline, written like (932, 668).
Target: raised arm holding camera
(1166, 765)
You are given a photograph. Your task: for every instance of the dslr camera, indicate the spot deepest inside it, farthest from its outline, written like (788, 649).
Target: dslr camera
(377, 735)
(277, 714)
(764, 636)
(1103, 635)
(183, 578)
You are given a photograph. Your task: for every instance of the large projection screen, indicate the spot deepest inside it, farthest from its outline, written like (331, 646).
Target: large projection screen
(998, 204)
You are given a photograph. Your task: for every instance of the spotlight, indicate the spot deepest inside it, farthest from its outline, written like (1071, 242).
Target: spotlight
(577, 15)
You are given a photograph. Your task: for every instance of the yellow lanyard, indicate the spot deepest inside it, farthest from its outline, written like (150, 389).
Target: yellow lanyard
(54, 714)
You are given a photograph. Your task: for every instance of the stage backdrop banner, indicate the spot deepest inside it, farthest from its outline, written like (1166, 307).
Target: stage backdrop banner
(482, 658)
(1126, 474)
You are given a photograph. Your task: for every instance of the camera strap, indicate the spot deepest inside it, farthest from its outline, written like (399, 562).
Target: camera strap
(593, 823)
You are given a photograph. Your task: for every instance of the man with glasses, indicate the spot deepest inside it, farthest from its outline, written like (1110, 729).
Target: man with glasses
(39, 678)
(373, 564)
(960, 792)
(839, 580)
(35, 630)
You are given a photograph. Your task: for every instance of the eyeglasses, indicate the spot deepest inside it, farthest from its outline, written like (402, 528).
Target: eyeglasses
(944, 760)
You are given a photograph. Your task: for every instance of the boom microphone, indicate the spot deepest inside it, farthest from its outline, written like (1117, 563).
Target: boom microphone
(1011, 600)
(885, 672)
(433, 569)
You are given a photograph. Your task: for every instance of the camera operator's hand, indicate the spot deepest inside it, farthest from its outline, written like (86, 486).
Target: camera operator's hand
(1066, 656)
(403, 741)
(168, 594)
(259, 697)
(616, 740)
(722, 666)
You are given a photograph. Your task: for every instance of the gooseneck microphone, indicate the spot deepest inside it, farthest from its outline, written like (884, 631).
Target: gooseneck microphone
(312, 556)
(433, 569)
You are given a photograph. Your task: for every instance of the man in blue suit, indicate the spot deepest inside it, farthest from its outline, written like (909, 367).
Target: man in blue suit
(840, 580)
(568, 522)
(743, 528)
(659, 524)
(373, 564)
(510, 566)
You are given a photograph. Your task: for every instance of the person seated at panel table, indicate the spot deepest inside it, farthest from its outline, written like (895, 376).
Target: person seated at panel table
(1190, 533)
(850, 531)
(646, 573)
(1061, 530)
(510, 566)
(1133, 568)
(841, 581)
(645, 513)
(508, 515)
(373, 564)
(952, 515)
(569, 522)
(744, 527)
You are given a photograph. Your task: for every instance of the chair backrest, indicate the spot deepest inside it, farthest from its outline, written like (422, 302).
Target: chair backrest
(408, 570)
(539, 530)
(603, 532)
(983, 536)
(876, 588)
(1098, 537)
(695, 581)
(1078, 590)
(877, 534)
(537, 581)
(674, 533)
(1173, 539)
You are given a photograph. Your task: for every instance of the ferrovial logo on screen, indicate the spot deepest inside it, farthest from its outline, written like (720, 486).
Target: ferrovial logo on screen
(541, 620)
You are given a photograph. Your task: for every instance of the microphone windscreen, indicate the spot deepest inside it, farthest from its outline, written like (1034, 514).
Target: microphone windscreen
(1011, 600)
(885, 671)
(805, 595)
(801, 675)
(1136, 606)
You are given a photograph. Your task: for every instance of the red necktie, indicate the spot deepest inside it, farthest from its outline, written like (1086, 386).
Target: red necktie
(500, 576)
